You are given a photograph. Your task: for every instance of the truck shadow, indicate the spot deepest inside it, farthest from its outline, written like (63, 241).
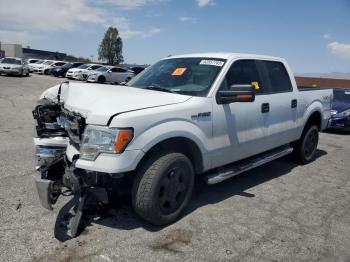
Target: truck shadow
(121, 216)
(337, 132)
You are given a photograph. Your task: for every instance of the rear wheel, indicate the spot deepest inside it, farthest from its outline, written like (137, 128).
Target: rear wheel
(101, 79)
(305, 148)
(163, 187)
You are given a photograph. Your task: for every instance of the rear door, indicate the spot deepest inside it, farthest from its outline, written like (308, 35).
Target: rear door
(282, 102)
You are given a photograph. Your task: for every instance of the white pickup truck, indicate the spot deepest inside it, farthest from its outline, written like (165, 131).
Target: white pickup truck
(213, 114)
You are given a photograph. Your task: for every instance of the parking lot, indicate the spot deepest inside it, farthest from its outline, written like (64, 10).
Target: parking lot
(280, 211)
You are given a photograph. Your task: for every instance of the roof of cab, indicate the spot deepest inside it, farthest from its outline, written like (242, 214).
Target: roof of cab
(223, 55)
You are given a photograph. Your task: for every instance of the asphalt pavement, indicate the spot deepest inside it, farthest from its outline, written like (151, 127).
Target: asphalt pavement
(278, 212)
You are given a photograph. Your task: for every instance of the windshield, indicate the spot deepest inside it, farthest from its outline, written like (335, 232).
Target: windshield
(68, 65)
(342, 96)
(39, 62)
(11, 61)
(102, 69)
(48, 63)
(190, 76)
(83, 66)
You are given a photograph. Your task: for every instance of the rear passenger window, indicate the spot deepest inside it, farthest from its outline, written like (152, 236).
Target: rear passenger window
(243, 72)
(277, 77)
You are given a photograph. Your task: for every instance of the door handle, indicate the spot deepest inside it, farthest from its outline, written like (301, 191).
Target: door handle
(294, 103)
(265, 107)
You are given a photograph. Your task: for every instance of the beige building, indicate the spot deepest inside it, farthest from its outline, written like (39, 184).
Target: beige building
(16, 50)
(12, 50)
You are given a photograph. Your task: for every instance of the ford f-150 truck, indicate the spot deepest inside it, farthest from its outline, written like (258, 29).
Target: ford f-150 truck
(212, 114)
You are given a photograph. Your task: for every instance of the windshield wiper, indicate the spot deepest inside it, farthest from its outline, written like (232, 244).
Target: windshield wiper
(158, 88)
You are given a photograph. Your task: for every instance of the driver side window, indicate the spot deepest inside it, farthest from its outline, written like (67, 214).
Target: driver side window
(243, 72)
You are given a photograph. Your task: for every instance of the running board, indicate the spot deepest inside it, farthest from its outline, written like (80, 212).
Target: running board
(247, 164)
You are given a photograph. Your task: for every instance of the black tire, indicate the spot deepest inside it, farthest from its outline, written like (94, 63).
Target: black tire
(163, 187)
(304, 150)
(46, 72)
(101, 79)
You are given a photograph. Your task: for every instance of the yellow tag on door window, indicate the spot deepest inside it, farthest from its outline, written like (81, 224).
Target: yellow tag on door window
(179, 71)
(256, 85)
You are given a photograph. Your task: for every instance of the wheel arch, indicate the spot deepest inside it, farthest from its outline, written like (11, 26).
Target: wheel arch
(180, 144)
(315, 118)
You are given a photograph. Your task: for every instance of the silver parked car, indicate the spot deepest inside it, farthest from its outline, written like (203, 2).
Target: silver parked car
(14, 66)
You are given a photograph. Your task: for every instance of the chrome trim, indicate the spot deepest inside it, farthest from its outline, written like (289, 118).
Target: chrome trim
(47, 156)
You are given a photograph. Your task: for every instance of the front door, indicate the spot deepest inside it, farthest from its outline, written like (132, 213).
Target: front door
(239, 129)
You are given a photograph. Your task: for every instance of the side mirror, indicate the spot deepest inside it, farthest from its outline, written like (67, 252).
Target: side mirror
(237, 93)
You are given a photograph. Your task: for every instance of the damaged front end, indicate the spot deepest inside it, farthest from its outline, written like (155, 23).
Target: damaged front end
(57, 130)
(51, 142)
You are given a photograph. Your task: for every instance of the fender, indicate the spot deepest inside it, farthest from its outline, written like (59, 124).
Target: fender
(172, 128)
(315, 106)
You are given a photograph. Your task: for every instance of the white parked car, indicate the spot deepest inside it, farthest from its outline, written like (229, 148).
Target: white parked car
(33, 66)
(81, 72)
(45, 69)
(111, 74)
(39, 66)
(32, 60)
(14, 66)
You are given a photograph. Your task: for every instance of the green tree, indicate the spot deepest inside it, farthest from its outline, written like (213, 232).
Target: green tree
(111, 47)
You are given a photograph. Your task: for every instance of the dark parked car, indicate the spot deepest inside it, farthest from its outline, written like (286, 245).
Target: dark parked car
(340, 114)
(62, 70)
(137, 69)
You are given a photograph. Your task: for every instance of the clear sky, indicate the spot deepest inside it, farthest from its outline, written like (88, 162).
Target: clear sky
(313, 35)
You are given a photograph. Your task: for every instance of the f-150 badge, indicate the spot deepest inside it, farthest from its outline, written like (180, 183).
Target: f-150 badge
(201, 116)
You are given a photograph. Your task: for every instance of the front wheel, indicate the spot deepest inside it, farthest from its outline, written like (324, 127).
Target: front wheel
(305, 148)
(101, 79)
(163, 187)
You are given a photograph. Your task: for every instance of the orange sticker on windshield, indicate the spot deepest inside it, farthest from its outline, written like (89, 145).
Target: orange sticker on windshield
(179, 71)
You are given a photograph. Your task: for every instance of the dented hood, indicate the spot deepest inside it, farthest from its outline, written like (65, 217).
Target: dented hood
(98, 103)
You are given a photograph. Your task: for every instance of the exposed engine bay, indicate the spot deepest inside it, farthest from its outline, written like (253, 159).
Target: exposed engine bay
(56, 128)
